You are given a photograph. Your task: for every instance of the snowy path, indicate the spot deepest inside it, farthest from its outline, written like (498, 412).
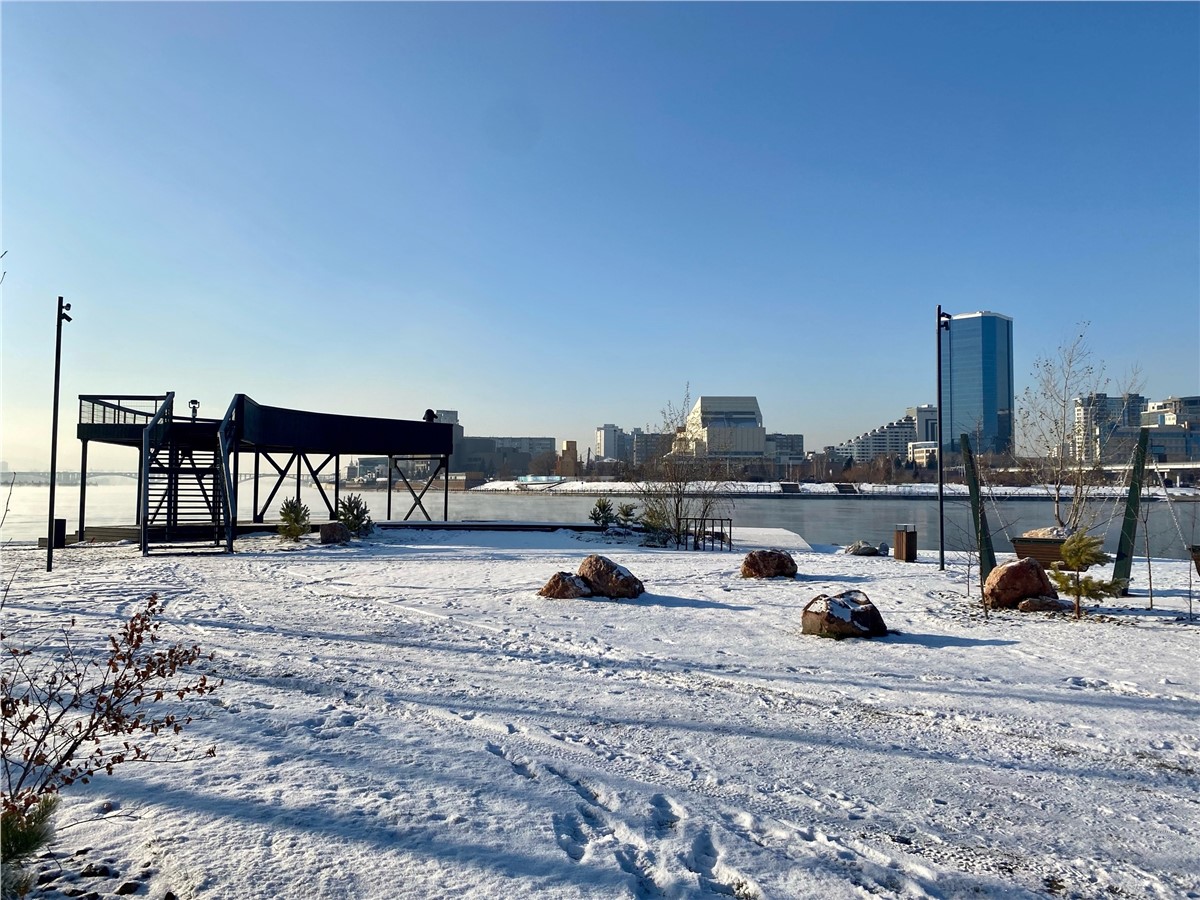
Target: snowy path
(406, 717)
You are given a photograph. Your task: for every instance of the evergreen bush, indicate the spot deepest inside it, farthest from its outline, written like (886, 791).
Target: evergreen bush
(1079, 551)
(295, 518)
(353, 513)
(627, 514)
(602, 513)
(657, 527)
(23, 833)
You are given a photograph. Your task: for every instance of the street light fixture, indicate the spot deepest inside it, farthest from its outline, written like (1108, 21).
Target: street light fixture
(943, 323)
(62, 317)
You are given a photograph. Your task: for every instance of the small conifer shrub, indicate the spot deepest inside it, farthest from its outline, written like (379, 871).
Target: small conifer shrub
(23, 834)
(602, 513)
(656, 527)
(626, 514)
(295, 519)
(353, 513)
(1080, 551)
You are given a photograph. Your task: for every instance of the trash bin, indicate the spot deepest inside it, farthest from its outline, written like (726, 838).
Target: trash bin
(906, 543)
(60, 533)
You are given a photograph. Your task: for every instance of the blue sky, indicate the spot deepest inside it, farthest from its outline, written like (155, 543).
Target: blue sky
(552, 216)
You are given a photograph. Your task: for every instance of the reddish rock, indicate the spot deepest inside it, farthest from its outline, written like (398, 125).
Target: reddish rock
(609, 579)
(768, 564)
(565, 586)
(848, 614)
(1011, 582)
(1045, 604)
(334, 533)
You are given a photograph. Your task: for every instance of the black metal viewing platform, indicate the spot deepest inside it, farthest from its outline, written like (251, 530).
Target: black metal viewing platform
(188, 468)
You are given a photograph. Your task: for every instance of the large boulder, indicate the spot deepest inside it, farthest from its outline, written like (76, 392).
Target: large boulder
(334, 533)
(848, 614)
(768, 564)
(1011, 582)
(862, 548)
(609, 579)
(1054, 531)
(565, 586)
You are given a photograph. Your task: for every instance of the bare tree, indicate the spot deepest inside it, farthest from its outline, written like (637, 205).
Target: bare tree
(543, 464)
(682, 484)
(1050, 441)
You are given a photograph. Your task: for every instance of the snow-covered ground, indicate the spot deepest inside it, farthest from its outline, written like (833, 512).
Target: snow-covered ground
(405, 717)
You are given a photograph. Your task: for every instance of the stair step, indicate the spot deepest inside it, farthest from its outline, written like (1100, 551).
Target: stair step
(185, 483)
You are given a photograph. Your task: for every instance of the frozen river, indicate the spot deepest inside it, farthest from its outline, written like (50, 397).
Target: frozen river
(820, 520)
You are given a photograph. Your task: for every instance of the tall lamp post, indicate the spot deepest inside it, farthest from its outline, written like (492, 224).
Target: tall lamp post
(58, 322)
(943, 323)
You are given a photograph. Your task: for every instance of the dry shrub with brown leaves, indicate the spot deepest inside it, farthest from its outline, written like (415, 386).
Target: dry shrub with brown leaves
(67, 714)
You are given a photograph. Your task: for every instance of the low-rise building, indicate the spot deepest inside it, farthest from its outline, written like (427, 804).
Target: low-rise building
(1107, 428)
(922, 453)
(568, 460)
(647, 446)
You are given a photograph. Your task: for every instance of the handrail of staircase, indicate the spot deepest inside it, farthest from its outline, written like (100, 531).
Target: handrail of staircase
(162, 422)
(225, 442)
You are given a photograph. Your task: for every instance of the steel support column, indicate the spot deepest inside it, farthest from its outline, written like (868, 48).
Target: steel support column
(254, 516)
(82, 491)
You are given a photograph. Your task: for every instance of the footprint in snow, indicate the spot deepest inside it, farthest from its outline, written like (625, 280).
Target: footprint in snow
(520, 765)
(569, 833)
(664, 814)
(704, 861)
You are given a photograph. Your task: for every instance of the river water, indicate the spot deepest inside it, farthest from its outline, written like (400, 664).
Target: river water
(819, 520)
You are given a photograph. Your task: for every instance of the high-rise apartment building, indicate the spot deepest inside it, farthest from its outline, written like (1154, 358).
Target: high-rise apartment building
(611, 442)
(1097, 417)
(893, 439)
(977, 382)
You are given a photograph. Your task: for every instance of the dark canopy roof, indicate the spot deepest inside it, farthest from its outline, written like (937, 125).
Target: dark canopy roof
(123, 420)
(272, 428)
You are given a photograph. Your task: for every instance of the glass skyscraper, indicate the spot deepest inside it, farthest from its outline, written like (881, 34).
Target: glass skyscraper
(977, 382)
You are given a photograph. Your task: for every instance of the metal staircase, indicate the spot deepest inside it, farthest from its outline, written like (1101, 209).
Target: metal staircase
(183, 498)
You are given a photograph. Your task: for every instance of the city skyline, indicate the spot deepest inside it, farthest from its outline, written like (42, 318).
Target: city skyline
(552, 217)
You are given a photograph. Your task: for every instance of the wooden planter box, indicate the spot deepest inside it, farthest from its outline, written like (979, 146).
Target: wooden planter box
(1047, 551)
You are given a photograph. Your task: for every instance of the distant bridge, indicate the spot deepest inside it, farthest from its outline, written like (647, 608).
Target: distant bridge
(72, 478)
(67, 478)
(1179, 472)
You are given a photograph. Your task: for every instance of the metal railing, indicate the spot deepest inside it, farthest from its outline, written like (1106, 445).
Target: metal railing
(131, 409)
(707, 533)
